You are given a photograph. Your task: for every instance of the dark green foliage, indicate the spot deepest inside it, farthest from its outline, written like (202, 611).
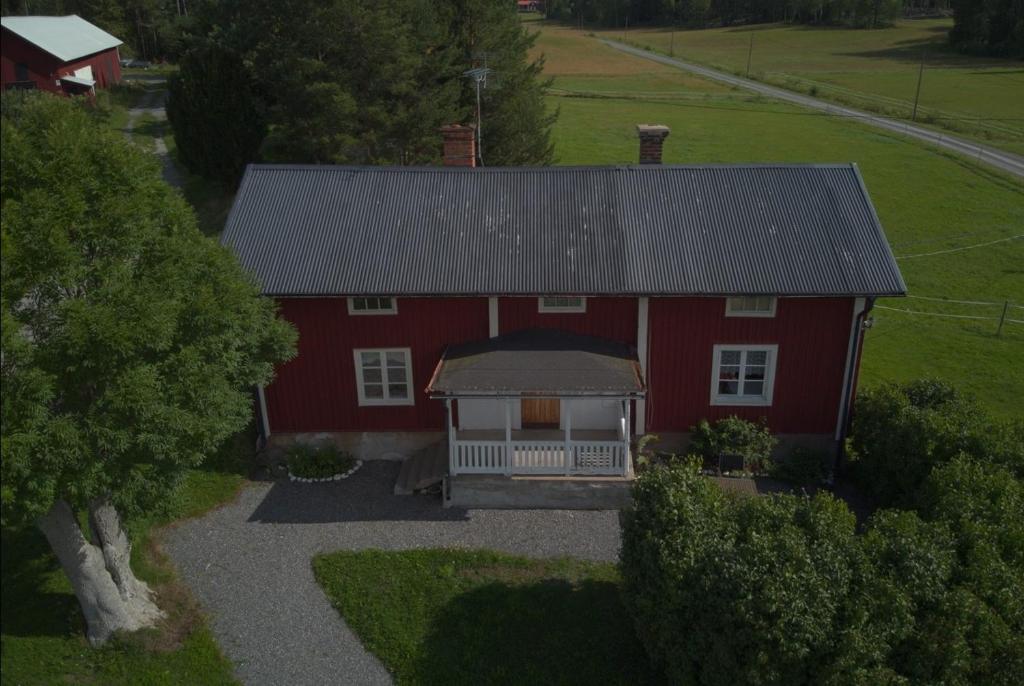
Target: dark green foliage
(734, 436)
(346, 82)
(802, 467)
(474, 617)
(780, 590)
(901, 431)
(217, 118)
(993, 27)
(318, 462)
(701, 13)
(130, 341)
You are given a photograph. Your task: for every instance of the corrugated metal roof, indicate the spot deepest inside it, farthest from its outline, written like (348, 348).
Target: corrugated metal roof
(66, 38)
(539, 362)
(654, 230)
(78, 81)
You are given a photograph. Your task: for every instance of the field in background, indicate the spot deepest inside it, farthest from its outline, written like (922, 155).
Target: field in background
(875, 70)
(929, 201)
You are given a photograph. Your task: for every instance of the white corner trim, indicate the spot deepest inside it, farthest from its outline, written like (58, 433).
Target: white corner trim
(262, 399)
(768, 390)
(492, 317)
(361, 393)
(859, 305)
(750, 313)
(642, 313)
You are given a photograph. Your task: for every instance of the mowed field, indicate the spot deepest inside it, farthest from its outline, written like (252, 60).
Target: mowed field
(877, 70)
(929, 201)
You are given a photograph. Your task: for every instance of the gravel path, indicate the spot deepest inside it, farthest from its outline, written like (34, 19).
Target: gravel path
(249, 564)
(1006, 161)
(152, 103)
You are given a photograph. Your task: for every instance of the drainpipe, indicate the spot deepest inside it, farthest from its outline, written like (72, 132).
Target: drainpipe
(848, 386)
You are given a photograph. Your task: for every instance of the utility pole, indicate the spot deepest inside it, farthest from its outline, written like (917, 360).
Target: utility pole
(917, 94)
(750, 52)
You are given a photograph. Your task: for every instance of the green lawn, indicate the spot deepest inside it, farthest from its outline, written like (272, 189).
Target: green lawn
(928, 201)
(477, 617)
(871, 69)
(41, 625)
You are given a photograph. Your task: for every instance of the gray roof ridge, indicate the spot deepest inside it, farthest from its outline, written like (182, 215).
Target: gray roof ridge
(550, 168)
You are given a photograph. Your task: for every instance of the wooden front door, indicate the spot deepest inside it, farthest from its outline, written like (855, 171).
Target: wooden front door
(540, 413)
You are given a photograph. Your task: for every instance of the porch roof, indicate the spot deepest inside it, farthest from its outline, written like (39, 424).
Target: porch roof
(543, 362)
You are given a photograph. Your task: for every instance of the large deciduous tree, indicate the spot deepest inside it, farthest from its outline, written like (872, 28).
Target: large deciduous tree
(130, 345)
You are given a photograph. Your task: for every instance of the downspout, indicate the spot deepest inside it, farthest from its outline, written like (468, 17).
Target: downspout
(846, 403)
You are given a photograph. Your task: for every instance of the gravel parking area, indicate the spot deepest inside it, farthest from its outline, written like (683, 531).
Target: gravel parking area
(249, 563)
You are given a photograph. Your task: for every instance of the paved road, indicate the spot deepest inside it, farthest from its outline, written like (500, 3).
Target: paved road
(1005, 161)
(152, 103)
(249, 564)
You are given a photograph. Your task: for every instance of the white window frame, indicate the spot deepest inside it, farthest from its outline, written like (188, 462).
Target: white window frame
(555, 309)
(386, 400)
(732, 310)
(763, 400)
(392, 310)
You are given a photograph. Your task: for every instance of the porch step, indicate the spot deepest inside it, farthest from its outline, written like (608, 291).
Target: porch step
(562, 493)
(424, 469)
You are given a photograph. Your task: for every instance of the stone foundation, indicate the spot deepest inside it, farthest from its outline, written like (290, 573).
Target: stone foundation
(364, 445)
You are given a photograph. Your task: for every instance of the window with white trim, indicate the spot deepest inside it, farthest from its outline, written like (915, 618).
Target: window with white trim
(743, 374)
(373, 305)
(561, 303)
(750, 306)
(384, 376)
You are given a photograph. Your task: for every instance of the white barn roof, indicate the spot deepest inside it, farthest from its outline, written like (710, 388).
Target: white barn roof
(66, 38)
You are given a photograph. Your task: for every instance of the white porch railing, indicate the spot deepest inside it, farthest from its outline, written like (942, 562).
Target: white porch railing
(538, 457)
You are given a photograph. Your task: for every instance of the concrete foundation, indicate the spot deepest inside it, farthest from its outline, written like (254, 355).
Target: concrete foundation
(365, 445)
(560, 493)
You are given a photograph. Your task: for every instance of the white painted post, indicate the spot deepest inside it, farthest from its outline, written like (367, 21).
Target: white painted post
(567, 406)
(508, 436)
(492, 318)
(452, 448)
(641, 353)
(625, 438)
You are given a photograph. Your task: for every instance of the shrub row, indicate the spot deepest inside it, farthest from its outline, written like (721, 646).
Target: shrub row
(782, 590)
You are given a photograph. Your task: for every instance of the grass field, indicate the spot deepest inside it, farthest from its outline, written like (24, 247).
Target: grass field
(476, 617)
(41, 625)
(877, 70)
(928, 201)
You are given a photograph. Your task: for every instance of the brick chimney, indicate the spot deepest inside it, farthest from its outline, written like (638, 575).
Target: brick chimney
(459, 145)
(651, 138)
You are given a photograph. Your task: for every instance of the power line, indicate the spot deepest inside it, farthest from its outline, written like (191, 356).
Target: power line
(936, 314)
(958, 302)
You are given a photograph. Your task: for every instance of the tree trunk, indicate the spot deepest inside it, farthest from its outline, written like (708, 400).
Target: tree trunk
(112, 599)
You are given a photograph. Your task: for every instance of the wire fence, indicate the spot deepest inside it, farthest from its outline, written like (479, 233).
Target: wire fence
(1001, 312)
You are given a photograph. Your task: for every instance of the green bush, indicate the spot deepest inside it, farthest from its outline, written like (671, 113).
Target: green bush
(734, 436)
(781, 590)
(318, 462)
(901, 431)
(802, 467)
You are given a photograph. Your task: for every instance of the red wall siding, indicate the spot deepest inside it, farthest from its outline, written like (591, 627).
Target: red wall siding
(44, 68)
(613, 318)
(812, 334)
(316, 391)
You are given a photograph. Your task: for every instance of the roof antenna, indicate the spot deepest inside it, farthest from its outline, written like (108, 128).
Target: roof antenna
(479, 75)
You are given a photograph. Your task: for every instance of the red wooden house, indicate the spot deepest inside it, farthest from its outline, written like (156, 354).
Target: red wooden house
(58, 54)
(535, 320)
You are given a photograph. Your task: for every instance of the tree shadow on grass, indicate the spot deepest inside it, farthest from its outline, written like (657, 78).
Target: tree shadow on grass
(29, 603)
(551, 631)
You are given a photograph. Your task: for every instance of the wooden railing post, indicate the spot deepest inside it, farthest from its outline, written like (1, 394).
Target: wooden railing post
(508, 436)
(625, 436)
(568, 435)
(452, 448)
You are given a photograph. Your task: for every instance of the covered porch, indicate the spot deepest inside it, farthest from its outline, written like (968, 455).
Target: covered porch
(539, 402)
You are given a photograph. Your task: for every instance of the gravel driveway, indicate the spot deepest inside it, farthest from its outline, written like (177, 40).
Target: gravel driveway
(249, 563)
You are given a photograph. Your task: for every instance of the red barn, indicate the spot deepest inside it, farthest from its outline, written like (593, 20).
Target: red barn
(536, 320)
(58, 54)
